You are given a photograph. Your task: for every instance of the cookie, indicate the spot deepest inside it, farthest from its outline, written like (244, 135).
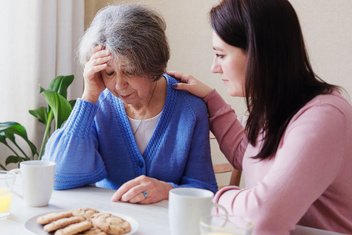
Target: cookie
(74, 228)
(86, 213)
(93, 231)
(60, 223)
(48, 218)
(110, 224)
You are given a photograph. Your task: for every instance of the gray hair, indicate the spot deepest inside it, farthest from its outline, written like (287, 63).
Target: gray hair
(132, 33)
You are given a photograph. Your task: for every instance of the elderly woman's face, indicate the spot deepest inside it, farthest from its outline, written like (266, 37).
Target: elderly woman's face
(130, 89)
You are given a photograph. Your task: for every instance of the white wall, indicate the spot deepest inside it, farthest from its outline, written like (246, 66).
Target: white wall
(327, 27)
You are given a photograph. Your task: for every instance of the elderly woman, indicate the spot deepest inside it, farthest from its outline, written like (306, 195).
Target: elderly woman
(131, 130)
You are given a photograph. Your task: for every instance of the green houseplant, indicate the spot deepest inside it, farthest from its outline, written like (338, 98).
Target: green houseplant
(8, 130)
(58, 109)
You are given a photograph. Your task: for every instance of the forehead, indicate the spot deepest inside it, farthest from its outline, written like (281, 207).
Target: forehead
(117, 62)
(218, 43)
(220, 46)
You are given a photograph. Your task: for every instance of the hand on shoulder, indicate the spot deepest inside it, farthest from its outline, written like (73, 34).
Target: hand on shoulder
(190, 84)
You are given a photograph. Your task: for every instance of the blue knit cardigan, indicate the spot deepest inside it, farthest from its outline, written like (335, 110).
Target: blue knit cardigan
(96, 145)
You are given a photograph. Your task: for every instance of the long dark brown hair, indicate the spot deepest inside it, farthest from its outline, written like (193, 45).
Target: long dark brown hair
(279, 77)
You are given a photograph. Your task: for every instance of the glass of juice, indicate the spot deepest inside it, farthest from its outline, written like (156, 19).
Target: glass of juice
(225, 225)
(7, 181)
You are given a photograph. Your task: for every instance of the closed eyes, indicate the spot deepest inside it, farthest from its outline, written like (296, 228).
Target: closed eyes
(109, 73)
(220, 56)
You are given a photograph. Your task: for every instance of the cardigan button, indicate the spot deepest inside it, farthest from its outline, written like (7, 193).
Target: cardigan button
(140, 164)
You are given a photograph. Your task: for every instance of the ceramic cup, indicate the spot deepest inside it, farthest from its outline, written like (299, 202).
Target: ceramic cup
(37, 181)
(7, 181)
(225, 225)
(186, 207)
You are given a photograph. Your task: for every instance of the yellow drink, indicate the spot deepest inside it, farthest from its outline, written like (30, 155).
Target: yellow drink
(5, 200)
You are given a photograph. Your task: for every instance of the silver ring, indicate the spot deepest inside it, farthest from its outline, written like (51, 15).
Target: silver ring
(145, 194)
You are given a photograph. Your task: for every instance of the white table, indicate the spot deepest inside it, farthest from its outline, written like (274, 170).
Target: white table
(152, 219)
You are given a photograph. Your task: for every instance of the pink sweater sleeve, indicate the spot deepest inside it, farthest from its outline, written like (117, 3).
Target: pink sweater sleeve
(228, 131)
(307, 161)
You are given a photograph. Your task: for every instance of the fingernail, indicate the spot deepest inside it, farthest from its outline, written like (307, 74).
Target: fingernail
(174, 85)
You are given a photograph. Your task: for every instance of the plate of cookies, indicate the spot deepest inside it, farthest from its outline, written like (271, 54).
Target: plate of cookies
(82, 221)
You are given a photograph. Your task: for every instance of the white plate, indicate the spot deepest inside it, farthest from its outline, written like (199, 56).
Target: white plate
(32, 225)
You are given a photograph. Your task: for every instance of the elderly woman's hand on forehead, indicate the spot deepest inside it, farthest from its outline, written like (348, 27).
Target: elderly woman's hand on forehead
(93, 81)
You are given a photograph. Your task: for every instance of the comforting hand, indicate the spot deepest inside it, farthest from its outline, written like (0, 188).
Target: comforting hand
(143, 190)
(190, 84)
(93, 81)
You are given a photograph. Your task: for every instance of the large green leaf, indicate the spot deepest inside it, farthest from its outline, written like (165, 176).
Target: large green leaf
(10, 129)
(41, 113)
(14, 159)
(60, 85)
(60, 106)
(13, 127)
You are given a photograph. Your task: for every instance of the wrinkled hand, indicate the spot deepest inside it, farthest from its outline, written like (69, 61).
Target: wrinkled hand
(190, 84)
(93, 81)
(132, 191)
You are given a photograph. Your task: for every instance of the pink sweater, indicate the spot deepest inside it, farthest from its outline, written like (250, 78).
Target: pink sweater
(308, 181)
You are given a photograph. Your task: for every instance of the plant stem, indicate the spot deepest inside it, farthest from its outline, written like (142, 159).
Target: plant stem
(12, 149)
(46, 133)
(21, 151)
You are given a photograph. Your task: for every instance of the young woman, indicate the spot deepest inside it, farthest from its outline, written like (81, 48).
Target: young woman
(295, 149)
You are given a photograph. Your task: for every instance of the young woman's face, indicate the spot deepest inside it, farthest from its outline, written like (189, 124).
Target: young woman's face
(230, 63)
(129, 88)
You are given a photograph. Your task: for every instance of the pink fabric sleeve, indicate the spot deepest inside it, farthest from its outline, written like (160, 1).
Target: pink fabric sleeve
(228, 131)
(307, 162)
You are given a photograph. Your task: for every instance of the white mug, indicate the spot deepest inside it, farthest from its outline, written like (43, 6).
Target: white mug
(186, 207)
(37, 181)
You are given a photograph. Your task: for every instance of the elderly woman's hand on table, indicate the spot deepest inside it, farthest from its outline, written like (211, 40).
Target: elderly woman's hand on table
(143, 190)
